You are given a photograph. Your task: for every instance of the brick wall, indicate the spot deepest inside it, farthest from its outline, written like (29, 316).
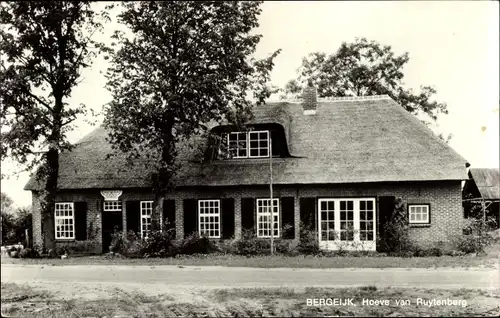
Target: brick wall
(444, 198)
(94, 222)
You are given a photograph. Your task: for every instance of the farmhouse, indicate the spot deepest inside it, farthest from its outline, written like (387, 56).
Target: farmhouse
(337, 166)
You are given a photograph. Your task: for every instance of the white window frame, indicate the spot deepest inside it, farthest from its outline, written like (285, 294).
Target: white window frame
(65, 207)
(412, 211)
(237, 143)
(258, 132)
(247, 144)
(112, 206)
(334, 242)
(267, 215)
(203, 214)
(146, 206)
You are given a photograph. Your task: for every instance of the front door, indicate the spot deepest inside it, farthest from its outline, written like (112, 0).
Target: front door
(111, 222)
(347, 224)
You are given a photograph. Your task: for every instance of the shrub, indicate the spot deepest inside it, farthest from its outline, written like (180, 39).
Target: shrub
(29, 253)
(285, 247)
(160, 244)
(117, 244)
(308, 241)
(397, 232)
(77, 247)
(196, 244)
(475, 237)
(249, 244)
(130, 245)
(14, 251)
(14, 226)
(426, 252)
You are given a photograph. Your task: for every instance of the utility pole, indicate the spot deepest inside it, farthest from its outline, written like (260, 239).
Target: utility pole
(271, 190)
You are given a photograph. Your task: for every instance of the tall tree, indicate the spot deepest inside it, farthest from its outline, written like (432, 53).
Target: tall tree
(6, 203)
(186, 63)
(364, 68)
(44, 47)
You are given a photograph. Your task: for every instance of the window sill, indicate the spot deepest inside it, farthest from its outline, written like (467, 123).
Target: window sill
(420, 225)
(65, 240)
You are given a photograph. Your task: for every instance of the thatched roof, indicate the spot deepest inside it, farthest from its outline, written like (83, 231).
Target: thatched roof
(487, 181)
(369, 139)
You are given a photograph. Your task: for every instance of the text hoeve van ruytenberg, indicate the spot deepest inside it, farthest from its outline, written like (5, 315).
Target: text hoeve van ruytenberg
(385, 302)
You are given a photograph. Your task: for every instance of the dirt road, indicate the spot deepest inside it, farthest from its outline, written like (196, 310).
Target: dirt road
(234, 277)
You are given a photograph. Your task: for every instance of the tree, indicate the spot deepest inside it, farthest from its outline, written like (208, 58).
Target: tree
(364, 68)
(6, 203)
(6, 215)
(44, 47)
(186, 63)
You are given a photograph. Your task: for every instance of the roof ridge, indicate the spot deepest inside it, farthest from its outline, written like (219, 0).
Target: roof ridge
(334, 99)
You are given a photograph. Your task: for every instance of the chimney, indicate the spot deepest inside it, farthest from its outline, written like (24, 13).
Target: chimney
(309, 98)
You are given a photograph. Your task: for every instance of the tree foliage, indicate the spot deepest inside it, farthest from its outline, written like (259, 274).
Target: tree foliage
(186, 63)
(6, 203)
(44, 47)
(364, 68)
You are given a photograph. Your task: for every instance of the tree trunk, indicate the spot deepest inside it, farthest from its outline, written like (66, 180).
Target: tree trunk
(47, 198)
(162, 179)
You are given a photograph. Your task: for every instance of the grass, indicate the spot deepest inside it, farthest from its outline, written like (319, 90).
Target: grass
(251, 302)
(275, 261)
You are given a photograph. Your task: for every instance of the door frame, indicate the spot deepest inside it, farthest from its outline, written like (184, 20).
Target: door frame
(356, 244)
(106, 232)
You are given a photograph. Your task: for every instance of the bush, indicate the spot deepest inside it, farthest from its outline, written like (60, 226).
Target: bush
(308, 241)
(77, 247)
(130, 246)
(397, 232)
(285, 247)
(475, 237)
(250, 245)
(427, 252)
(196, 244)
(160, 244)
(14, 226)
(14, 251)
(29, 253)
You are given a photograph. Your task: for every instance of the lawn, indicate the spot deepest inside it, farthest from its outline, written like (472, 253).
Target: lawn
(276, 261)
(490, 260)
(23, 301)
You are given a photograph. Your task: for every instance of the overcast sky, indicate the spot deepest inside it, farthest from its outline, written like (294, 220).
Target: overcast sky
(453, 46)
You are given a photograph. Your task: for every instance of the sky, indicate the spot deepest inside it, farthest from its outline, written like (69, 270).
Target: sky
(453, 46)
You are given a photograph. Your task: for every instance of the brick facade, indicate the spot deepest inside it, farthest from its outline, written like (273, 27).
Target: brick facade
(444, 198)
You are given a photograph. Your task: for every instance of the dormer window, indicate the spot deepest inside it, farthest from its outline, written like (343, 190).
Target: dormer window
(237, 145)
(251, 144)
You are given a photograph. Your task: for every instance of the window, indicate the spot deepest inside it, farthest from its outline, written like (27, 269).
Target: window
(419, 214)
(209, 218)
(327, 209)
(252, 144)
(259, 144)
(112, 206)
(366, 219)
(264, 217)
(237, 145)
(347, 220)
(65, 220)
(146, 211)
(348, 223)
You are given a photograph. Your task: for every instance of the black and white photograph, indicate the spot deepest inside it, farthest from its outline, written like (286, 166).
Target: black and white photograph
(250, 159)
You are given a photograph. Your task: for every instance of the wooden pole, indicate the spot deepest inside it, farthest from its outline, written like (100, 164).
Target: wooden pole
(271, 190)
(483, 206)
